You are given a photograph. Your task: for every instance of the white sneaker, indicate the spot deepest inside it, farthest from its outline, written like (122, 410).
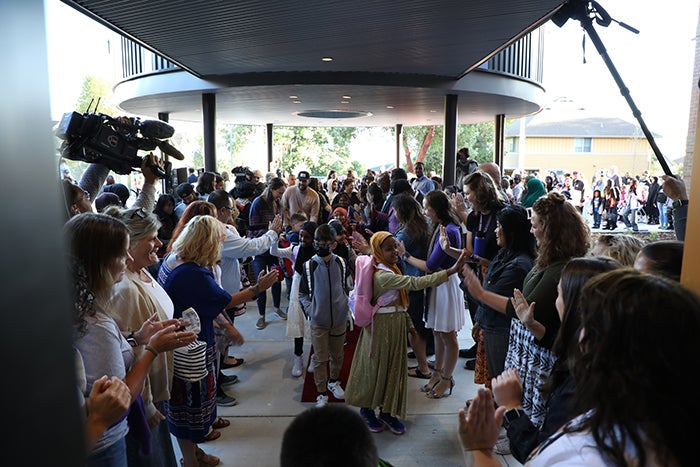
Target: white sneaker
(310, 368)
(321, 400)
(298, 367)
(337, 391)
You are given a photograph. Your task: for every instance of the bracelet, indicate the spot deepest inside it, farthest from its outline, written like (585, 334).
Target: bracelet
(151, 349)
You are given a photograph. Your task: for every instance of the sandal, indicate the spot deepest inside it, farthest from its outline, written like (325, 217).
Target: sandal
(428, 387)
(434, 395)
(220, 423)
(416, 373)
(213, 434)
(204, 459)
(225, 364)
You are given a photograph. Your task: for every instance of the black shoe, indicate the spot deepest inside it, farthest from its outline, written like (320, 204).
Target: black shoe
(470, 364)
(468, 353)
(411, 354)
(430, 352)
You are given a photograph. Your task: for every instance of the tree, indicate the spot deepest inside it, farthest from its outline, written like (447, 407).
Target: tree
(316, 149)
(478, 137)
(95, 88)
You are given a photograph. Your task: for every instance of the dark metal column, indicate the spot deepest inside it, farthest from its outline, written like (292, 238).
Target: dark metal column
(167, 183)
(499, 140)
(209, 130)
(399, 141)
(449, 141)
(269, 146)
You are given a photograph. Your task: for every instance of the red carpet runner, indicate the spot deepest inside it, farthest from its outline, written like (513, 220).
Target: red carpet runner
(309, 393)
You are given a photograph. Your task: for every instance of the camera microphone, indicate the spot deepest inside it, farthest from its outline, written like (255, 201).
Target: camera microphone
(170, 150)
(156, 129)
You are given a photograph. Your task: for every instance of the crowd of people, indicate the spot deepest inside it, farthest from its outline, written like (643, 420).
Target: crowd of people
(159, 283)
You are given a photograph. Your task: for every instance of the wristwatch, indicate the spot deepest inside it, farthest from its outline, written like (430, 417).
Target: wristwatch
(509, 416)
(130, 339)
(680, 202)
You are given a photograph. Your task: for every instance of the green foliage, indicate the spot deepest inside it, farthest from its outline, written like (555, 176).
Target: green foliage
(478, 137)
(97, 88)
(316, 149)
(235, 137)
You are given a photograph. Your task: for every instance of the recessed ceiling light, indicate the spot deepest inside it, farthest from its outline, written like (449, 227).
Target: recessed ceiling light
(389, 106)
(333, 114)
(344, 102)
(433, 111)
(347, 97)
(327, 59)
(294, 97)
(297, 102)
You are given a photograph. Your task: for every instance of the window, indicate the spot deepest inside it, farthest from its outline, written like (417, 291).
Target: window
(582, 144)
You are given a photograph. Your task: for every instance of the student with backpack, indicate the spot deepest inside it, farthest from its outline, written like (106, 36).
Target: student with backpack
(378, 375)
(323, 297)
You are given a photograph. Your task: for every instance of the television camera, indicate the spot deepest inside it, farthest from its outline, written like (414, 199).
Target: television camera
(114, 142)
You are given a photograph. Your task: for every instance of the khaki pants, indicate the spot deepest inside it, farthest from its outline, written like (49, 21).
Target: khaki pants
(327, 343)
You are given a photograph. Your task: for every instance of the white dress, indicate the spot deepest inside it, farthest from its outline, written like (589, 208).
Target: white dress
(446, 312)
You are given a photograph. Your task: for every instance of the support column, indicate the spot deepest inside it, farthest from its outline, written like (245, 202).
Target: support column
(499, 140)
(269, 146)
(399, 141)
(691, 268)
(167, 182)
(449, 141)
(209, 130)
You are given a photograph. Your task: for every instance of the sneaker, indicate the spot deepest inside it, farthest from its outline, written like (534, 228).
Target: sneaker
(321, 400)
(226, 379)
(310, 368)
(298, 367)
(281, 313)
(226, 401)
(468, 353)
(374, 425)
(502, 446)
(337, 391)
(261, 323)
(393, 423)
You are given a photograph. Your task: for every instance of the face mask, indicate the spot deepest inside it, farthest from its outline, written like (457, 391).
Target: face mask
(322, 251)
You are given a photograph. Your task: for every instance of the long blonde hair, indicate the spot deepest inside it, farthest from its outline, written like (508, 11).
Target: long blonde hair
(200, 241)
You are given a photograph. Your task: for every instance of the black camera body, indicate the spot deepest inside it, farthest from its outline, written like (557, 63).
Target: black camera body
(242, 174)
(96, 137)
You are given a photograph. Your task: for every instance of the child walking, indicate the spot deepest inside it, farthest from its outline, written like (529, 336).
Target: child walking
(324, 299)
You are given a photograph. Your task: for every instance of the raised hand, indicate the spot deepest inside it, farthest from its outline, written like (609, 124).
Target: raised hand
(276, 224)
(265, 280)
(444, 239)
(507, 389)
(525, 311)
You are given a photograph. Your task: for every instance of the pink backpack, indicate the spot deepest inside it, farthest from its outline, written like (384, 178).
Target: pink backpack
(360, 299)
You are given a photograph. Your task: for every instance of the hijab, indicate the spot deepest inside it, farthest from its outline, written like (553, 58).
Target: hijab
(535, 189)
(376, 244)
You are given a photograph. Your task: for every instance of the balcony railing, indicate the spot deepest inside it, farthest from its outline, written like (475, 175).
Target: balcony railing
(521, 59)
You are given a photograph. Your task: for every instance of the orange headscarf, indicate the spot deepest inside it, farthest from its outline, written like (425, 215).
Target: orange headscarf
(376, 244)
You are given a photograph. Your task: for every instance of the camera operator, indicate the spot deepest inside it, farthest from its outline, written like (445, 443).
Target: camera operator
(78, 198)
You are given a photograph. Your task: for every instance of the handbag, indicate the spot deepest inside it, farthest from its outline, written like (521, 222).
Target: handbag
(190, 362)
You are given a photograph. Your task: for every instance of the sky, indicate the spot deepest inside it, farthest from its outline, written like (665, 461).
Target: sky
(656, 64)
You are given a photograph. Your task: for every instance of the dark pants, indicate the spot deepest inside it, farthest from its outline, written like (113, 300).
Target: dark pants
(262, 263)
(416, 308)
(496, 347)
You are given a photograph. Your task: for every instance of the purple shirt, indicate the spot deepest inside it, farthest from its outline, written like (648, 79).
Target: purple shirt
(438, 259)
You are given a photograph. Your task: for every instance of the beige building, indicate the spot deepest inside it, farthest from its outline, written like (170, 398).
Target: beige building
(588, 145)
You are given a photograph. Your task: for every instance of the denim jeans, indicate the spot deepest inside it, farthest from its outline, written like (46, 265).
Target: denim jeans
(630, 218)
(113, 456)
(663, 220)
(262, 263)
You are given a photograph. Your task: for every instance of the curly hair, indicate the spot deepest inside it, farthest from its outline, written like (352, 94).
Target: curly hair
(621, 247)
(200, 241)
(485, 189)
(627, 379)
(564, 232)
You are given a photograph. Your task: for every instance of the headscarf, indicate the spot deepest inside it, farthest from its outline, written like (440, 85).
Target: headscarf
(346, 222)
(376, 244)
(535, 189)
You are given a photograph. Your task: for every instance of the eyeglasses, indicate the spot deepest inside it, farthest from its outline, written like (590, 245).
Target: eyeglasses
(140, 213)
